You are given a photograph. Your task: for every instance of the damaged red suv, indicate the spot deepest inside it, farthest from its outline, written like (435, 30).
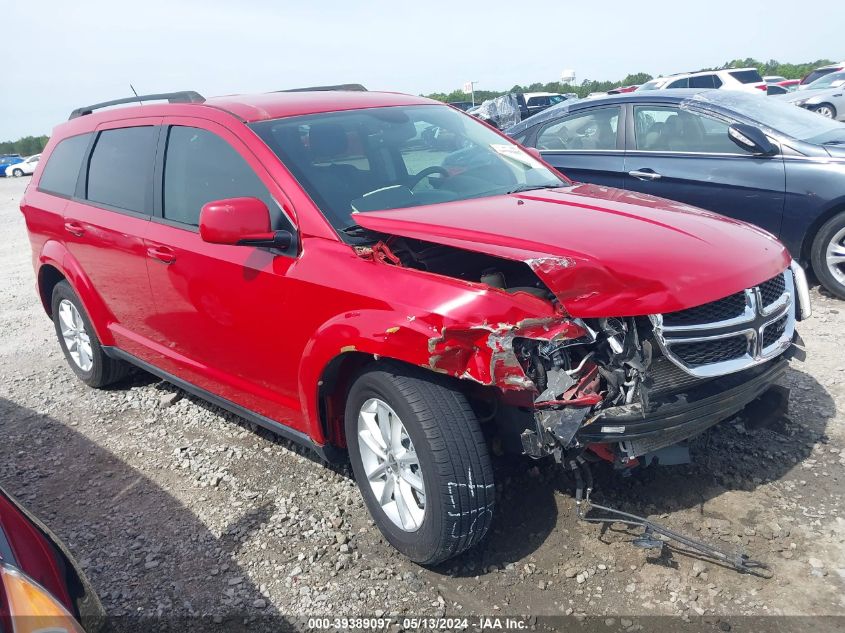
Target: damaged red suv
(382, 276)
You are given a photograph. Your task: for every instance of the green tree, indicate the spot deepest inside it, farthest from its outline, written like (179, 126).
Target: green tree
(25, 146)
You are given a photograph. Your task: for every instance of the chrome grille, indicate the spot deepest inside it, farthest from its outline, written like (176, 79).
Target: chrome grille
(733, 333)
(727, 308)
(772, 290)
(700, 353)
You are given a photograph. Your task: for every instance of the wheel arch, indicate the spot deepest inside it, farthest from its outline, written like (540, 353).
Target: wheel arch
(56, 264)
(810, 235)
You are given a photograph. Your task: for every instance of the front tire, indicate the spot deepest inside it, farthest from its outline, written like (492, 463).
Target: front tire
(17, 173)
(79, 342)
(826, 110)
(420, 460)
(828, 255)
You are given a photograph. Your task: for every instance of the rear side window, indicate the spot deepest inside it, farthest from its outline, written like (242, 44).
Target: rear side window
(702, 81)
(746, 76)
(120, 169)
(201, 167)
(62, 169)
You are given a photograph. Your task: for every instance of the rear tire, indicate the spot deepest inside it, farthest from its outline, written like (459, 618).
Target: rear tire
(828, 255)
(448, 447)
(79, 341)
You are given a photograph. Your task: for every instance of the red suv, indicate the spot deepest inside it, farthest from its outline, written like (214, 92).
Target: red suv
(314, 263)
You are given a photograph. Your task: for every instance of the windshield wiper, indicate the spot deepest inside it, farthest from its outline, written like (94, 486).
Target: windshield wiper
(522, 188)
(834, 142)
(356, 230)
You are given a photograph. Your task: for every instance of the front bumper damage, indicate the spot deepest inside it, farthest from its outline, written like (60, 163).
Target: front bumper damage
(625, 389)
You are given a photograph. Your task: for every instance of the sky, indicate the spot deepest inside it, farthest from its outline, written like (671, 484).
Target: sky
(60, 55)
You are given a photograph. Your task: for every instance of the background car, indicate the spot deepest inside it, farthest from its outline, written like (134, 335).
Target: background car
(790, 84)
(820, 72)
(24, 168)
(539, 101)
(828, 102)
(774, 89)
(686, 145)
(746, 79)
(622, 89)
(773, 79)
(42, 588)
(8, 159)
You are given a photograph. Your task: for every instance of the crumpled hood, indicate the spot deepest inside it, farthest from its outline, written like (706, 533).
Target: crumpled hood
(602, 251)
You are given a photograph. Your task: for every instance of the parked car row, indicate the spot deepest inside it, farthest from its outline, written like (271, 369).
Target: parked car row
(7, 160)
(23, 167)
(758, 160)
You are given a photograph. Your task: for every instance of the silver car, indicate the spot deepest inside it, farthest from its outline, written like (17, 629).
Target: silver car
(825, 96)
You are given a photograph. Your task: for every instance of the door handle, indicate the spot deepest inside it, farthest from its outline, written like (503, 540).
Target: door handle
(645, 175)
(162, 254)
(74, 228)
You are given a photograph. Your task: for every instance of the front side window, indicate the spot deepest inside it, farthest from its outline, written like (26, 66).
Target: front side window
(62, 169)
(667, 129)
(392, 157)
(200, 167)
(679, 83)
(591, 130)
(120, 168)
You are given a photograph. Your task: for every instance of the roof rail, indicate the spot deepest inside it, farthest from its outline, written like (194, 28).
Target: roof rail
(348, 87)
(184, 96)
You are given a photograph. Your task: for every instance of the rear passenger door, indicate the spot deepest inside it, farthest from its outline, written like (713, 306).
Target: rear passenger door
(686, 155)
(220, 308)
(585, 145)
(106, 221)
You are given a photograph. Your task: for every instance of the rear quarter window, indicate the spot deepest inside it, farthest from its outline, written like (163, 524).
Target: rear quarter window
(746, 76)
(62, 168)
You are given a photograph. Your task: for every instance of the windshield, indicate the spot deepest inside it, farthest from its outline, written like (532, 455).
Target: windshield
(832, 80)
(780, 116)
(392, 157)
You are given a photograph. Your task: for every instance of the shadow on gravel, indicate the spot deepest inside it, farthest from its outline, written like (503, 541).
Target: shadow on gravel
(150, 559)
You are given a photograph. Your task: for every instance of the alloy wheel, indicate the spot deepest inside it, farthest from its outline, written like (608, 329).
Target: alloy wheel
(835, 256)
(391, 464)
(825, 111)
(76, 338)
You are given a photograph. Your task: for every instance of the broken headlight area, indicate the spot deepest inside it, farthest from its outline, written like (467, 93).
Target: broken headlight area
(616, 393)
(576, 379)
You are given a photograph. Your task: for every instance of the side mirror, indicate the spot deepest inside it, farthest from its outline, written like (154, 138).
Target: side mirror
(241, 221)
(752, 139)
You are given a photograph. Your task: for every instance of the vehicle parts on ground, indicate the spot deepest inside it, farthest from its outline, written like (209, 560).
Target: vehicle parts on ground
(650, 537)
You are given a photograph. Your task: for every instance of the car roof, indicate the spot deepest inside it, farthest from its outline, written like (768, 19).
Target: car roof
(252, 107)
(276, 105)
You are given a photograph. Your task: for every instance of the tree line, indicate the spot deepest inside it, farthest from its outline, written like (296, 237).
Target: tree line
(771, 67)
(26, 146)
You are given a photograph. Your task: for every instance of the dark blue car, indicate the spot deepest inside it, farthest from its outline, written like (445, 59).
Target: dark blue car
(741, 155)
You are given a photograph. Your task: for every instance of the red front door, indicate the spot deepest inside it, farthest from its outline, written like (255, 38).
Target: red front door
(217, 321)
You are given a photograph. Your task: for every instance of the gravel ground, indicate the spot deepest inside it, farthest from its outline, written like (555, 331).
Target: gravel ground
(176, 508)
